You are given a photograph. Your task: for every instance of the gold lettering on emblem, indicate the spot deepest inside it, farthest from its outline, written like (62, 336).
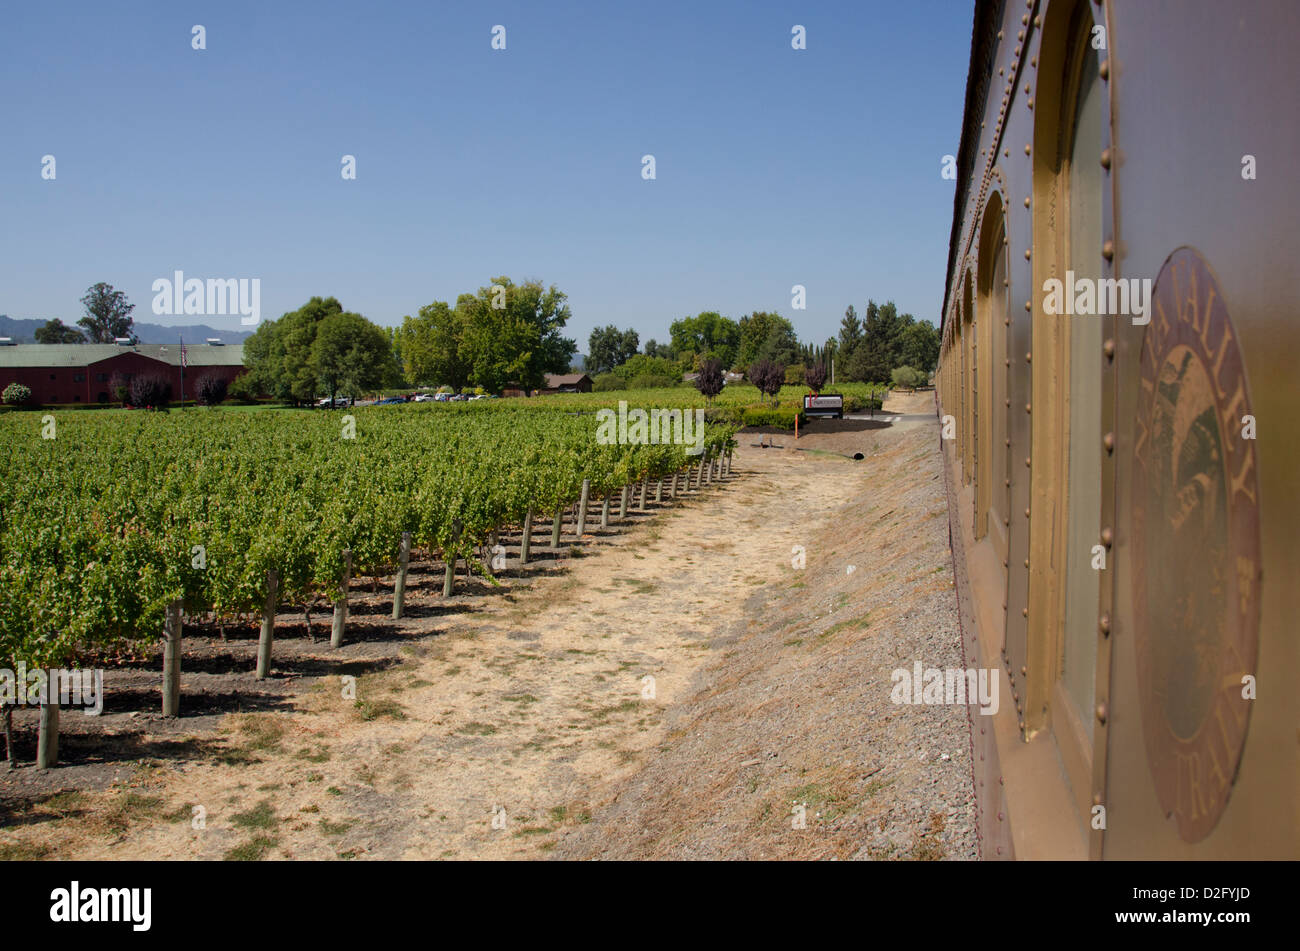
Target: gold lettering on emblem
(1245, 582)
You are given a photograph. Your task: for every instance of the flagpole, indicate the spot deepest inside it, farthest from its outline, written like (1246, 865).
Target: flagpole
(182, 340)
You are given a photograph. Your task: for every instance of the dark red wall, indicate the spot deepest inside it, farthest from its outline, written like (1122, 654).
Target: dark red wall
(85, 384)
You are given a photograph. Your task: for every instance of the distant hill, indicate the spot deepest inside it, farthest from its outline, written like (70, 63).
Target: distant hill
(24, 331)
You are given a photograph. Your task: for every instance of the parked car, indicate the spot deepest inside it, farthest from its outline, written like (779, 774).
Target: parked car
(424, 398)
(390, 401)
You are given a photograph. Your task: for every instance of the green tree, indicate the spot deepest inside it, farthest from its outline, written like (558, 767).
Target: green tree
(512, 334)
(653, 349)
(108, 314)
(431, 346)
(850, 334)
(706, 335)
(279, 354)
(880, 334)
(609, 347)
(55, 331)
(918, 344)
(350, 355)
(765, 336)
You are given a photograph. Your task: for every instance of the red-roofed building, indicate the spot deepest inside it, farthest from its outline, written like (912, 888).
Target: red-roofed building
(80, 372)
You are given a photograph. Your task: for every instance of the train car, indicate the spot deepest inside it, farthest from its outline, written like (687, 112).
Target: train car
(1119, 396)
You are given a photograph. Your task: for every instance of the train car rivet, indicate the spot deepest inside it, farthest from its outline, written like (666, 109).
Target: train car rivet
(1007, 362)
(1107, 536)
(999, 34)
(1026, 462)
(1024, 671)
(1024, 18)
(1026, 201)
(1028, 408)
(1104, 69)
(1029, 358)
(1026, 89)
(1026, 254)
(1108, 441)
(1108, 348)
(1105, 158)
(1038, 21)
(1006, 521)
(1001, 70)
(1026, 562)
(1108, 250)
(1030, 102)
(1008, 481)
(1029, 305)
(1006, 321)
(1026, 149)
(1008, 403)
(1104, 624)
(1096, 799)
(1006, 153)
(1026, 513)
(1024, 612)
(1020, 36)
(1101, 713)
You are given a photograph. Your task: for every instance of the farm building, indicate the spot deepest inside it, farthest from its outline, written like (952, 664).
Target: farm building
(566, 383)
(80, 372)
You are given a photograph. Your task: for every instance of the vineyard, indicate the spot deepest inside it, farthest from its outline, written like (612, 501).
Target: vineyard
(107, 521)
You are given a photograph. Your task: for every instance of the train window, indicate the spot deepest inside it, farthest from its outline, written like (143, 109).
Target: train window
(1084, 202)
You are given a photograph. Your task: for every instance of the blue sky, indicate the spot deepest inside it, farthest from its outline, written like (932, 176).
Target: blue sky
(774, 167)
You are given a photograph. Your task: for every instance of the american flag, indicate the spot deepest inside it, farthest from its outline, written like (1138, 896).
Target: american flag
(184, 363)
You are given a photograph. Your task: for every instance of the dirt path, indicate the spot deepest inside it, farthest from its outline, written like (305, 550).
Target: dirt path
(531, 726)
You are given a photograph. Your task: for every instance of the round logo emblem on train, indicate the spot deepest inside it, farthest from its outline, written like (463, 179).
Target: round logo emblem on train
(1195, 546)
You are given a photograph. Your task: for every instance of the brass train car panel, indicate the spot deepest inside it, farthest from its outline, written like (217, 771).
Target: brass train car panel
(1119, 347)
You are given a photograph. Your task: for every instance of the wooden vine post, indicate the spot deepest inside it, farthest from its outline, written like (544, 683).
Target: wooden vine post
(582, 507)
(47, 735)
(659, 491)
(645, 489)
(449, 557)
(622, 503)
(555, 528)
(526, 542)
(340, 625)
(268, 624)
(171, 685)
(604, 512)
(399, 586)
